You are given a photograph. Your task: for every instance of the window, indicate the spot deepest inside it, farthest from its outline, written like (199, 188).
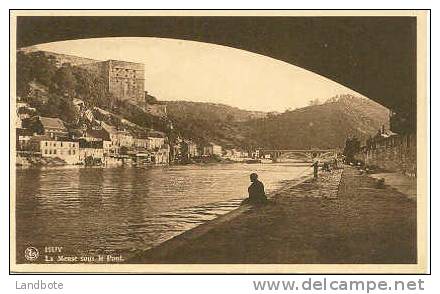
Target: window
(45, 151)
(50, 151)
(61, 144)
(73, 152)
(45, 143)
(54, 151)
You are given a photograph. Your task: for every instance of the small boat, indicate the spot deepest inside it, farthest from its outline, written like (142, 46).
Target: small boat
(266, 160)
(251, 161)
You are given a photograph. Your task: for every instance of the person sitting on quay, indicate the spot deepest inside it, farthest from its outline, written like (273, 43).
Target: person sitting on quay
(256, 191)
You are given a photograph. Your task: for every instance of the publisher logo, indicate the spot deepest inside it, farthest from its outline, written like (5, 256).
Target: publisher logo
(31, 253)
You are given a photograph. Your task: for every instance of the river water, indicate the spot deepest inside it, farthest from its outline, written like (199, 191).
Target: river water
(92, 211)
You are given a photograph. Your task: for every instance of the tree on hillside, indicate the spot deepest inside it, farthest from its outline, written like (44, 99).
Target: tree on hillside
(333, 99)
(314, 102)
(43, 68)
(24, 74)
(59, 106)
(91, 88)
(150, 99)
(64, 81)
(36, 67)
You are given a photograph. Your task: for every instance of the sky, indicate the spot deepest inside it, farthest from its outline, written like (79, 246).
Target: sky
(204, 72)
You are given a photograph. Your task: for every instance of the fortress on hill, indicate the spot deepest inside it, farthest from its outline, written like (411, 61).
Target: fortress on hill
(125, 80)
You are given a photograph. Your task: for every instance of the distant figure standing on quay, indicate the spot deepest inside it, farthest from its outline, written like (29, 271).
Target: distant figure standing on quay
(315, 169)
(256, 190)
(335, 163)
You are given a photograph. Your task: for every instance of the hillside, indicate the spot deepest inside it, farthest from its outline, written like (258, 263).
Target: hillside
(319, 126)
(205, 122)
(58, 57)
(214, 111)
(50, 89)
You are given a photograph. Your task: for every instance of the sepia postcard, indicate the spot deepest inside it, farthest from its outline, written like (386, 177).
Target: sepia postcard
(230, 141)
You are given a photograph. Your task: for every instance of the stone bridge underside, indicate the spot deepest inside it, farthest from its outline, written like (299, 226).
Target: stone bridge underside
(375, 56)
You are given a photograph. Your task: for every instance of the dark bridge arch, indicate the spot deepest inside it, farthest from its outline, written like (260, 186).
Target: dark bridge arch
(375, 56)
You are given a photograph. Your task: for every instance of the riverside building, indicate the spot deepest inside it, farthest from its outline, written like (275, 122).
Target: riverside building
(49, 148)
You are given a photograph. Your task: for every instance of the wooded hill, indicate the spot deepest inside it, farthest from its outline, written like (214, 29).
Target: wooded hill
(50, 88)
(318, 126)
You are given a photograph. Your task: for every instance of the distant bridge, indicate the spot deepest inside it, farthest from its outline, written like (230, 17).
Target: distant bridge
(307, 154)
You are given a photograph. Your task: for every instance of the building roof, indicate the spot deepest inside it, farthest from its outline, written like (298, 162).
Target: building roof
(52, 123)
(109, 128)
(39, 138)
(90, 144)
(140, 136)
(384, 134)
(25, 110)
(213, 144)
(156, 134)
(23, 132)
(98, 134)
(388, 133)
(113, 130)
(77, 101)
(187, 141)
(75, 132)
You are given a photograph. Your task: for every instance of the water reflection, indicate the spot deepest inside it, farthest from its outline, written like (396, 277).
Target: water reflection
(96, 210)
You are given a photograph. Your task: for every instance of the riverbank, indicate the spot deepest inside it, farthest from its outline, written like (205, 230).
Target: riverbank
(344, 217)
(32, 160)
